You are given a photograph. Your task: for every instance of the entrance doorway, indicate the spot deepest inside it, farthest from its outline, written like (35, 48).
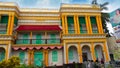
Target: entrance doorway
(84, 55)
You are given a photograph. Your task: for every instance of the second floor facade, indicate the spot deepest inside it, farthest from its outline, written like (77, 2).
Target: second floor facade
(48, 26)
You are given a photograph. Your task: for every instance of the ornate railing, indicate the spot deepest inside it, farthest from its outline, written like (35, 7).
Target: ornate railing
(38, 41)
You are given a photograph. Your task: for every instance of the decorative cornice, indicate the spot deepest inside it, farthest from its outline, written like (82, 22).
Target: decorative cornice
(84, 36)
(5, 37)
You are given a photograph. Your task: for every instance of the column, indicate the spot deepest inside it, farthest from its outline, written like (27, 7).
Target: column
(9, 23)
(93, 52)
(106, 53)
(75, 24)
(78, 28)
(66, 25)
(32, 57)
(31, 38)
(29, 57)
(63, 24)
(66, 47)
(12, 24)
(98, 24)
(46, 57)
(80, 53)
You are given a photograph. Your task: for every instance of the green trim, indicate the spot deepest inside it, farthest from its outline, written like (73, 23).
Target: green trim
(54, 56)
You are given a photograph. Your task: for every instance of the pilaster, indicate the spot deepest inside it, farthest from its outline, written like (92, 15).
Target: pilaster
(12, 24)
(9, 23)
(93, 52)
(105, 49)
(66, 25)
(63, 24)
(75, 25)
(100, 22)
(80, 53)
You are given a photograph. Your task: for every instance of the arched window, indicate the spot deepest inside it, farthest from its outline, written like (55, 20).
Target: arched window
(22, 56)
(70, 54)
(54, 56)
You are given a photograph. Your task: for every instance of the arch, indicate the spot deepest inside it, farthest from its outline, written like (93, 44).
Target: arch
(86, 53)
(2, 53)
(99, 52)
(72, 54)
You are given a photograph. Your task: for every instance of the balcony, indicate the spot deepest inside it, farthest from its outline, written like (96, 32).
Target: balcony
(38, 41)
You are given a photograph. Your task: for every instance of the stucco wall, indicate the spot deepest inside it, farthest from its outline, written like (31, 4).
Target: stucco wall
(60, 58)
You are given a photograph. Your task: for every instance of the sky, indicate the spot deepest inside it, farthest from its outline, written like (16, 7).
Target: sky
(113, 4)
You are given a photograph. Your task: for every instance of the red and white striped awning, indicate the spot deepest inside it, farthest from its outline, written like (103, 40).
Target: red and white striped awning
(36, 47)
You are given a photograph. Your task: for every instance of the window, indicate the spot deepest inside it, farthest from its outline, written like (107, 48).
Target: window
(38, 38)
(70, 21)
(15, 20)
(82, 25)
(25, 39)
(4, 19)
(54, 56)
(22, 57)
(38, 58)
(2, 55)
(70, 54)
(94, 24)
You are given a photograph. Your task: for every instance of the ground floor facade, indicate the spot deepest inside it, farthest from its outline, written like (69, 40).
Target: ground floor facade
(70, 52)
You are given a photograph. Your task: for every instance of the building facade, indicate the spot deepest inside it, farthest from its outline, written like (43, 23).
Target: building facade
(70, 34)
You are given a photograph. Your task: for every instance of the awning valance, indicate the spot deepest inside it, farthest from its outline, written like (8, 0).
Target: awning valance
(36, 47)
(38, 28)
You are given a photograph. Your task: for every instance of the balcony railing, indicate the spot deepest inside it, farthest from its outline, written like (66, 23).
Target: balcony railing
(38, 41)
(95, 31)
(83, 31)
(3, 31)
(71, 31)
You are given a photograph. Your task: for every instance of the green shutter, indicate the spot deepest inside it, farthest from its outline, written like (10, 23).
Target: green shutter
(70, 21)
(4, 19)
(38, 58)
(93, 20)
(54, 56)
(82, 25)
(2, 55)
(15, 20)
(96, 53)
(94, 24)
(38, 39)
(22, 56)
(52, 38)
(25, 39)
(70, 54)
